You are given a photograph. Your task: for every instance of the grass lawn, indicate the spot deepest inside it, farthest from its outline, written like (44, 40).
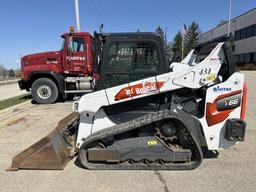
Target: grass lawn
(14, 101)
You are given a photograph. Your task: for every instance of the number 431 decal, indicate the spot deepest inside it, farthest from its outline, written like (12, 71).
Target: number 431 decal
(205, 71)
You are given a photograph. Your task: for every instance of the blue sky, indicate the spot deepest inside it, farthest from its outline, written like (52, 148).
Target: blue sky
(30, 26)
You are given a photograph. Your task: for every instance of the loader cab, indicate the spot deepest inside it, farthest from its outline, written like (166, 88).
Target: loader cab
(129, 57)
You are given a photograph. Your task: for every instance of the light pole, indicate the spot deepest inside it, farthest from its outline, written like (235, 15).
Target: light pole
(77, 16)
(182, 47)
(229, 15)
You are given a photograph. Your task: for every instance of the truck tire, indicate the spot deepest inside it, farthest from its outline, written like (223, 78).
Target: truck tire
(44, 91)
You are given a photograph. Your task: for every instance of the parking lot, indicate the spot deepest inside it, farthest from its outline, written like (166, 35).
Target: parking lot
(233, 170)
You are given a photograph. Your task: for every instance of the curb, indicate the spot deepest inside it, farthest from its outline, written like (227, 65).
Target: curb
(9, 83)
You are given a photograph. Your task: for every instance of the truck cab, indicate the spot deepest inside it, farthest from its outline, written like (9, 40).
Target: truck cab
(87, 63)
(75, 57)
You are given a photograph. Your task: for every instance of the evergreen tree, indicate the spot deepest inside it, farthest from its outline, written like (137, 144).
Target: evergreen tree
(191, 37)
(11, 73)
(160, 31)
(176, 47)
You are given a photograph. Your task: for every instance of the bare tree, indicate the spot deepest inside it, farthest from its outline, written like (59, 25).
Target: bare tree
(3, 71)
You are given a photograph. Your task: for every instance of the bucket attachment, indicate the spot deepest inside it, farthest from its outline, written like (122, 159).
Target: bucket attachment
(51, 152)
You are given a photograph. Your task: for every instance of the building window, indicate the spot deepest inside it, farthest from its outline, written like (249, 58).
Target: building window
(249, 31)
(241, 58)
(236, 59)
(246, 32)
(254, 58)
(243, 33)
(254, 30)
(238, 35)
(247, 57)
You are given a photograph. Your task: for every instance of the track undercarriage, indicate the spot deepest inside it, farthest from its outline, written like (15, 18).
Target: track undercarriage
(142, 144)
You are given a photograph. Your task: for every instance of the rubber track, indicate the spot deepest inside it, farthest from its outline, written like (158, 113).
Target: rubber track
(134, 124)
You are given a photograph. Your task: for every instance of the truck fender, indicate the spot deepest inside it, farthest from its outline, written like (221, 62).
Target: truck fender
(58, 78)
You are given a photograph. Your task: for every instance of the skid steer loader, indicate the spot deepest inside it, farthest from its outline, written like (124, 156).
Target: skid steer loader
(159, 122)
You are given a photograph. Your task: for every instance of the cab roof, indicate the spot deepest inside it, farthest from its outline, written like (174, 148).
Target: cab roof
(76, 33)
(119, 34)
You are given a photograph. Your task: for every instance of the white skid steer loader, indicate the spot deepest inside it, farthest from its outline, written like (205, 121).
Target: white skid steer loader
(161, 122)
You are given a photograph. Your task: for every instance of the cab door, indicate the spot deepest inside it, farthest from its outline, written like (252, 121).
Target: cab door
(76, 55)
(129, 61)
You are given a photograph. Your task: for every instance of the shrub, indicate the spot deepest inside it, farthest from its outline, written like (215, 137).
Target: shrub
(247, 67)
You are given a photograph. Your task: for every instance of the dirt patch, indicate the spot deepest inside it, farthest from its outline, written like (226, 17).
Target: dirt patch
(16, 121)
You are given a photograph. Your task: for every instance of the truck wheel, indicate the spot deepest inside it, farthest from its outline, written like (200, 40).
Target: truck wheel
(44, 91)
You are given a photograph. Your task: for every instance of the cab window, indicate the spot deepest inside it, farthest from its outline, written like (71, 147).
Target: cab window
(76, 44)
(129, 62)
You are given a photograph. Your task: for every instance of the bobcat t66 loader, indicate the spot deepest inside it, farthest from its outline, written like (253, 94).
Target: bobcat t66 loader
(158, 122)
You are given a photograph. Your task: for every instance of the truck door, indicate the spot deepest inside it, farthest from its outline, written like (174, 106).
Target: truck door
(76, 56)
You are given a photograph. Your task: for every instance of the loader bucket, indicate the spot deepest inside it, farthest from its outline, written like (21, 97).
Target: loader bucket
(50, 152)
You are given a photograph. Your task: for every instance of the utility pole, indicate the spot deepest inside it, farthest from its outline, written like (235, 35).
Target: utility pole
(77, 16)
(182, 46)
(229, 15)
(183, 33)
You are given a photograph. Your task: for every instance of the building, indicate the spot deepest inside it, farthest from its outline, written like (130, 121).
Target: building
(243, 28)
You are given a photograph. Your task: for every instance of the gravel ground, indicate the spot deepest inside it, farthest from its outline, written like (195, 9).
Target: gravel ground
(233, 170)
